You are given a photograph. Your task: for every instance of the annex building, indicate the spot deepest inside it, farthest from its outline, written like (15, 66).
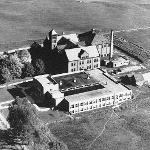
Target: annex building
(81, 91)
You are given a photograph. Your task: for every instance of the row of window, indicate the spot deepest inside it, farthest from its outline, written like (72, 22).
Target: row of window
(91, 102)
(82, 62)
(104, 55)
(89, 108)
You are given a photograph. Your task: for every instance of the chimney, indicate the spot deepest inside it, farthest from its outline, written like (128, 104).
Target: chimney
(111, 43)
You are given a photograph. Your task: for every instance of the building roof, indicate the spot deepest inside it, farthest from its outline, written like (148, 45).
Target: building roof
(88, 95)
(109, 87)
(45, 79)
(100, 39)
(53, 32)
(72, 37)
(74, 80)
(93, 37)
(72, 54)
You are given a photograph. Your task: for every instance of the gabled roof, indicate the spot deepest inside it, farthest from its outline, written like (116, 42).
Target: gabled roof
(72, 37)
(93, 37)
(72, 54)
(100, 39)
(53, 32)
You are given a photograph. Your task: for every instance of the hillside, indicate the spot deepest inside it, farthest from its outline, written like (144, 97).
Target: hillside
(23, 21)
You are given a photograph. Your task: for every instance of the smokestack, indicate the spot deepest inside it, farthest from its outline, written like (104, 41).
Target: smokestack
(111, 43)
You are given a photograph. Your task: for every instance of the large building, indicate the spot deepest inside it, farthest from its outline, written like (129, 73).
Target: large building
(82, 91)
(83, 58)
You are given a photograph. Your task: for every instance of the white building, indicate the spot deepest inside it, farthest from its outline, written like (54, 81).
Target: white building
(84, 91)
(83, 58)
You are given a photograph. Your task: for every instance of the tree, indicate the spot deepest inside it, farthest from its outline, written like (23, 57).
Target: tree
(5, 75)
(36, 50)
(39, 66)
(28, 70)
(12, 63)
(24, 56)
(27, 126)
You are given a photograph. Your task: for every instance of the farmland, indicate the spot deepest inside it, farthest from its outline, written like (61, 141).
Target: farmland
(25, 21)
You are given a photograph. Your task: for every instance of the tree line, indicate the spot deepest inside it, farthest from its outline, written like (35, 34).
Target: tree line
(19, 65)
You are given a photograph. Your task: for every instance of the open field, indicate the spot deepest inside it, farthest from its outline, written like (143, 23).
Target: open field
(105, 129)
(31, 19)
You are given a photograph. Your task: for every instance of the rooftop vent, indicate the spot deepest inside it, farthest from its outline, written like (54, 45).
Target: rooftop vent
(60, 83)
(88, 77)
(75, 80)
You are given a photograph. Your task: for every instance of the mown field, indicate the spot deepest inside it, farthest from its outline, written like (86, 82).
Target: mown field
(128, 129)
(24, 21)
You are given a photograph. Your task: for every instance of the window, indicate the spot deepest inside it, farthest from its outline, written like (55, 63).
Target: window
(103, 104)
(108, 98)
(90, 102)
(100, 100)
(72, 70)
(72, 106)
(82, 62)
(81, 109)
(72, 112)
(77, 105)
(103, 99)
(90, 107)
(81, 104)
(71, 64)
(112, 97)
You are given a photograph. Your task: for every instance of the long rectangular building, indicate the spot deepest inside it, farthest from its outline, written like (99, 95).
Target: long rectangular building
(82, 91)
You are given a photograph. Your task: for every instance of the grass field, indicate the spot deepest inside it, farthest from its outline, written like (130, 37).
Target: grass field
(105, 129)
(23, 21)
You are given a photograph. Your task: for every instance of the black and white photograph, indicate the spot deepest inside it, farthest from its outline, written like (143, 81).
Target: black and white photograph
(74, 74)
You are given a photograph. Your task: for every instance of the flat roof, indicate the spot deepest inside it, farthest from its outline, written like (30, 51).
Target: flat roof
(44, 79)
(110, 87)
(5, 95)
(104, 78)
(88, 95)
(74, 80)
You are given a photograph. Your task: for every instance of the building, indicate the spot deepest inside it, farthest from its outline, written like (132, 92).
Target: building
(63, 41)
(117, 61)
(82, 91)
(83, 58)
(104, 42)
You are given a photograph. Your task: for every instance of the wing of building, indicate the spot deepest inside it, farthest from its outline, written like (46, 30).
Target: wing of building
(81, 91)
(83, 58)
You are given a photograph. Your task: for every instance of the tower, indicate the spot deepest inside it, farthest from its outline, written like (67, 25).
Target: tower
(111, 43)
(53, 39)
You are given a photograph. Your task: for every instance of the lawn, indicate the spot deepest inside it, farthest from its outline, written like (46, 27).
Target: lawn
(127, 129)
